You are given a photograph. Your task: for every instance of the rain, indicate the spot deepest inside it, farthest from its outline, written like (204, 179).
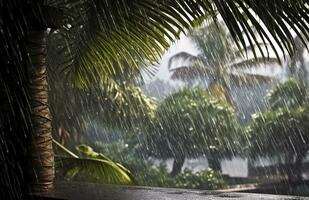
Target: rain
(202, 95)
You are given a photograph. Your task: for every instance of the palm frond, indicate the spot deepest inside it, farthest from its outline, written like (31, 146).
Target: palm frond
(241, 53)
(254, 62)
(131, 34)
(109, 38)
(95, 166)
(249, 79)
(272, 21)
(184, 56)
(97, 170)
(187, 73)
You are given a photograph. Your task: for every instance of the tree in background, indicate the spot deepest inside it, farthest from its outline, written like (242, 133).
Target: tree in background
(290, 94)
(219, 62)
(190, 123)
(284, 129)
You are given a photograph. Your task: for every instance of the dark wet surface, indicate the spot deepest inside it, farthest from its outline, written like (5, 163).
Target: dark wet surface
(81, 191)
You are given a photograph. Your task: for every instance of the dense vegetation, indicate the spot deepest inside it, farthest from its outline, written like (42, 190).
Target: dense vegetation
(106, 46)
(282, 131)
(191, 123)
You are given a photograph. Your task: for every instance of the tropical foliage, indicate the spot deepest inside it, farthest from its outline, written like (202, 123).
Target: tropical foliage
(283, 130)
(146, 173)
(123, 106)
(76, 109)
(219, 62)
(160, 177)
(289, 94)
(93, 166)
(96, 36)
(190, 123)
(124, 22)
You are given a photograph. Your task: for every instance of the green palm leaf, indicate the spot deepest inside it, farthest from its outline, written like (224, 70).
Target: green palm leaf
(97, 170)
(134, 34)
(254, 62)
(95, 167)
(185, 56)
(249, 79)
(187, 73)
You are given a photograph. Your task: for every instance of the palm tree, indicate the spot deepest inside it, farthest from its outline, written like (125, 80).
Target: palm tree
(91, 48)
(99, 35)
(297, 65)
(219, 62)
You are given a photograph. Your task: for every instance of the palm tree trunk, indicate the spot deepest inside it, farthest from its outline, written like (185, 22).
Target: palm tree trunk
(177, 166)
(40, 157)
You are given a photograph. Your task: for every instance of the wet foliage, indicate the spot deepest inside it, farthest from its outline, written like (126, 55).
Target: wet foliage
(71, 66)
(92, 167)
(190, 123)
(283, 130)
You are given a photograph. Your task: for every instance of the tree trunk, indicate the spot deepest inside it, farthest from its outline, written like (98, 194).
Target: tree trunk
(294, 168)
(177, 166)
(250, 167)
(40, 157)
(214, 163)
(298, 165)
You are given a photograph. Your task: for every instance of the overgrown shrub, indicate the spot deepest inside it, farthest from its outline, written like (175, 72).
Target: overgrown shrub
(145, 173)
(160, 177)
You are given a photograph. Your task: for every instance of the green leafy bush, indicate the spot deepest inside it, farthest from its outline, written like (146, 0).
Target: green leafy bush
(206, 179)
(160, 177)
(289, 94)
(283, 130)
(190, 123)
(146, 173)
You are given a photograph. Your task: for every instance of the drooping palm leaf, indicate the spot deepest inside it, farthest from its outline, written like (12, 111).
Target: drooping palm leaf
(136, 32)
(117, 32)
(184, 56)
(94, 167)
(268, 18)
(249, 79)
(254, 62)
(187, 73)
